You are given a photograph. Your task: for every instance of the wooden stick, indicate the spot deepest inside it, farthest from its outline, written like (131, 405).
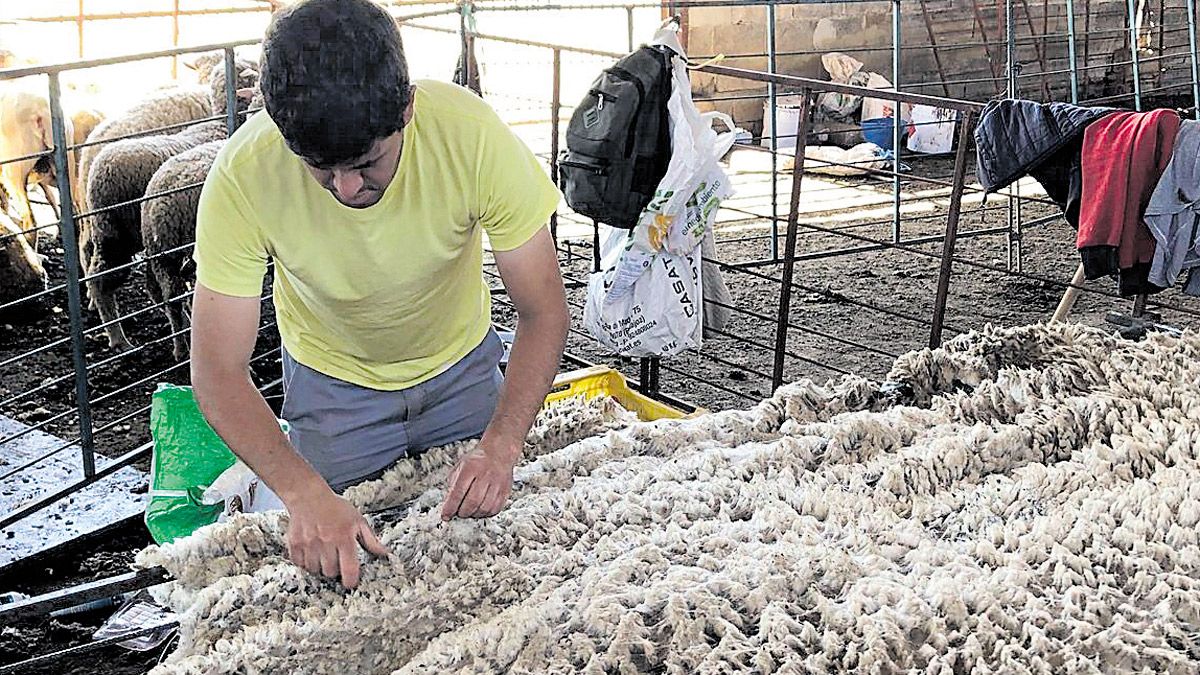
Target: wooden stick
(1068, 298)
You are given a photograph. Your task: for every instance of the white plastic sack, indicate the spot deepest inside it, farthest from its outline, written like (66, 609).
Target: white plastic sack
(842, 69)
(660, 314)
(878, 108)
(931, 129)
(240, 491)
(685, 203)
(829, 160)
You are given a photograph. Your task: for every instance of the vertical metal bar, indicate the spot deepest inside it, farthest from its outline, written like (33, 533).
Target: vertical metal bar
(555, 111)
(1074, 67)
(1162, 32)
(684, 23)
(965, 122)
(649, 374)
(897, 120)
(1191, 10)
(629, 25)
(231, 116)
(772, 101)
(1014, 91)
(595, 246)
(789, 247)
(1046, 19)
(68, 233)
(1010, 50)
(469, 62)
(79, 27)
(1133, 54)
(463, 47)
(175, 40)
(933, 46)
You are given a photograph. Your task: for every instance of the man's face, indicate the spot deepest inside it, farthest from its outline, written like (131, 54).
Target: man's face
(361, 183)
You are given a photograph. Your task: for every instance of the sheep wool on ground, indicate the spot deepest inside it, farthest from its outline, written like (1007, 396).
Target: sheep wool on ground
(1021, 500)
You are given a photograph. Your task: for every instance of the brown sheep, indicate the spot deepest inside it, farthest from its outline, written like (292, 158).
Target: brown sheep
(111, 238)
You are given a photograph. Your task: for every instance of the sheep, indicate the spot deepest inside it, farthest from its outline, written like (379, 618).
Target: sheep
(168, 227)
(118, 175)
(166, 107)
(1038, 513)
(82, 122)
(25, 129)
(21, 271)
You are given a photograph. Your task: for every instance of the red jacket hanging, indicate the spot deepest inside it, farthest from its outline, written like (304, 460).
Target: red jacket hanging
(1123, 156)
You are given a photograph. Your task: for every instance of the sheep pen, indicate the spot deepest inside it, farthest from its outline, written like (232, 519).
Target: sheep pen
(1019, 500)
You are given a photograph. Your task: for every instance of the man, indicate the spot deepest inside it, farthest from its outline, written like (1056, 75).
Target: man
(371, 196)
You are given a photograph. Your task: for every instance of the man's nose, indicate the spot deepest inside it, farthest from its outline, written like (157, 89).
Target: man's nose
(347, 183)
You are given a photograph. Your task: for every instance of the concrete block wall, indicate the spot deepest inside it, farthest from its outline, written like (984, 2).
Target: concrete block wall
(864, 30)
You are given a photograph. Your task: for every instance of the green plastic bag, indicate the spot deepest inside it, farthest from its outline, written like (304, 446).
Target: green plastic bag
(188, 456)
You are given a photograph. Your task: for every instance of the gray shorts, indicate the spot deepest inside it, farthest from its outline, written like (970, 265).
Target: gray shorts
(350, 433)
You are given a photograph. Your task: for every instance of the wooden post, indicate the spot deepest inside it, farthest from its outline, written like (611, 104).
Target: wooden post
(79, 27)
(175, 40)
(1069, 297)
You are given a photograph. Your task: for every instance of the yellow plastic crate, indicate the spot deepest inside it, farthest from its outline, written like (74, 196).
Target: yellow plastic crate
(604, 381)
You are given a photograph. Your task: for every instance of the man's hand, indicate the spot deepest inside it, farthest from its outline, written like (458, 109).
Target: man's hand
(479, 486)
(482, 482)
(325, 534)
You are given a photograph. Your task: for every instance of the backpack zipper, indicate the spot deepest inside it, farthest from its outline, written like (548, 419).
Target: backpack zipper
(598, 170)
(601, 97)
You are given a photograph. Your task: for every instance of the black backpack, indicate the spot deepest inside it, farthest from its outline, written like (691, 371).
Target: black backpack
(619, 139)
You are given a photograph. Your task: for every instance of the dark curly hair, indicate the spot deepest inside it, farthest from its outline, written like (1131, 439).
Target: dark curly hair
(334, 78)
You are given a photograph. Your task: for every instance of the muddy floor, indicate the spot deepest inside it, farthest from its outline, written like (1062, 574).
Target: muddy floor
(852, 311)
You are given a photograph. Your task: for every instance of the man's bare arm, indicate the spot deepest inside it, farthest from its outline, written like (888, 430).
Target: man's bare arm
(325, 530)
(481, 483)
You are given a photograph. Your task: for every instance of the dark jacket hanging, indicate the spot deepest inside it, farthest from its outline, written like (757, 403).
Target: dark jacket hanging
(1016, 138)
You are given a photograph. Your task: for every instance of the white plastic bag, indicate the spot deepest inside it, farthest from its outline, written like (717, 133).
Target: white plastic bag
(685, 203)
(240, 491)
(647, 300)
(842, 69)
(931, 130)
(660, 314)
(831, 160)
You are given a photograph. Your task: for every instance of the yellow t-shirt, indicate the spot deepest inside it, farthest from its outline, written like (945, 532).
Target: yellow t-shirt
(391, 295)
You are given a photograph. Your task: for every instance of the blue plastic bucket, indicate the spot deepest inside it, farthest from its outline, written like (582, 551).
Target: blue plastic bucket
(879, 131)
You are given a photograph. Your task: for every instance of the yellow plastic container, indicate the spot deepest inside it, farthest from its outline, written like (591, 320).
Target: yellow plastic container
(604, 381)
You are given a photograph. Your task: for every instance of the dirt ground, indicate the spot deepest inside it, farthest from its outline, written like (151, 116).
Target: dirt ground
(852, 313)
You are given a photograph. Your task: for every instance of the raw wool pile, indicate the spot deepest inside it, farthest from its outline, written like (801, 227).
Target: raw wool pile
(1038, 512)
(222, 551)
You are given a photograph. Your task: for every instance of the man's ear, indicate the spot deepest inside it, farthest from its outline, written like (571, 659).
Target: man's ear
(412, 98)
